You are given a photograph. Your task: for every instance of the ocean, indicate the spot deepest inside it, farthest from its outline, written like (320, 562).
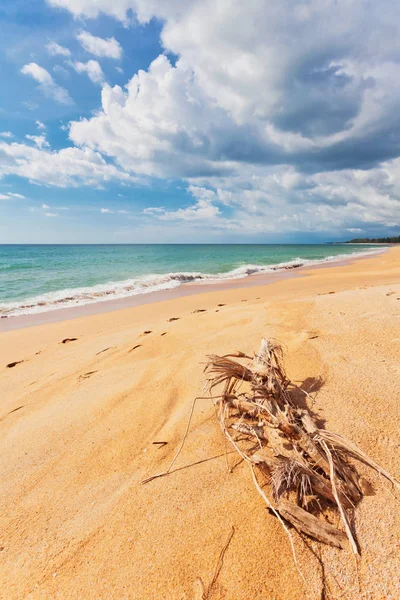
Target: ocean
(38, 278)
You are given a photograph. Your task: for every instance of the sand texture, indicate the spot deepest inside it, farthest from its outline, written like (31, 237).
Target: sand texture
(78, 422)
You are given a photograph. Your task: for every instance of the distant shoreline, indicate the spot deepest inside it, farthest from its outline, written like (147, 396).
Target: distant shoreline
(370, 243)
(392, 241)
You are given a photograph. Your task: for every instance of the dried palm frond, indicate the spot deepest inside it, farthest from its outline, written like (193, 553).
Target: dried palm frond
(309, 470)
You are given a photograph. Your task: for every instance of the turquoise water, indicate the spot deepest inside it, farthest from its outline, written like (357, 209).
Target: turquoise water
(37, 278)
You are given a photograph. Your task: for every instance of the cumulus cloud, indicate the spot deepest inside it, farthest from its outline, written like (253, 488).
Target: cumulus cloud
(163, 124)
(311, 102)
(47, 85)
(41, 126)
(69, 167)
(55, 49)
(6, 134)
(92, 69)
(48, 214)
(45, 206)
(203, 210)
(153, 210)
(101, 47)
(271, 133)
(39, 140)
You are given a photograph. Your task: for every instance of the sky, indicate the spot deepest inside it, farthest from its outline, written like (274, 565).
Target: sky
(191, 121)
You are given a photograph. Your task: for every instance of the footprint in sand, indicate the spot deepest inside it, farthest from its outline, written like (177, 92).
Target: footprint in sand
(173, 319)
(12, 364)
(87, 375)
(199, 310)
(105, 350)
(165, 333)
(147, 332)
(67, 340)
(160, 444)
(15, 409)
(134, 347)
(221, 304)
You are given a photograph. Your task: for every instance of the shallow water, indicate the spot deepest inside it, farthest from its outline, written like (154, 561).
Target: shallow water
(38, 278)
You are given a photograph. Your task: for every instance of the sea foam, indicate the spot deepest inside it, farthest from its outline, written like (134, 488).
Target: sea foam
(114, 290)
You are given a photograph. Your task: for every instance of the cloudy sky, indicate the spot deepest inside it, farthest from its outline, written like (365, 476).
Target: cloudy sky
(199, 120)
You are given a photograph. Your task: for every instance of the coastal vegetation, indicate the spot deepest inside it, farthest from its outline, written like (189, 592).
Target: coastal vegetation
(387, 240)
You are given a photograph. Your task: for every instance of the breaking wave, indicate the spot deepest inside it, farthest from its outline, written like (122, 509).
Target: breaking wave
(149, 283)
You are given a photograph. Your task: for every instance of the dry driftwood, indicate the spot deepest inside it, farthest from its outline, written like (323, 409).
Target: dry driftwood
(307, 469)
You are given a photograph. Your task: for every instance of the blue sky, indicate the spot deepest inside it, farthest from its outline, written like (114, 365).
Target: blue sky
(198, 120)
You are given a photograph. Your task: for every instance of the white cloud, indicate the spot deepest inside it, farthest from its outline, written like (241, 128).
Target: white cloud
(30, 105)
(101, 47)
(11, 195)
(153, 210)
(109, 211)
(69, 167)
(271, 135)
(14, 195)
(41, 126)
(55, 49)
(59, 70)
(48, 214)
(203, 210)
(327, 89)
(163, 124)
(46, 83)
(92, 8)
(6, 134)
(45, 206)
(92, 69)
(39, 140)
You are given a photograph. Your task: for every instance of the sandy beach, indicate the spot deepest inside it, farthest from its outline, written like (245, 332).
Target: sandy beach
(79, 420)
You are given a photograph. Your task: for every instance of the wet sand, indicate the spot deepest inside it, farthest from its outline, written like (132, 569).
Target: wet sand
(187, 289)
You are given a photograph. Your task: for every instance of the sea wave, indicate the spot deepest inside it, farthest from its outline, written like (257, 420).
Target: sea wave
(151, 283)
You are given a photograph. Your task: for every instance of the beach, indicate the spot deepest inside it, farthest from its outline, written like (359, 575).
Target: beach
(88, 397)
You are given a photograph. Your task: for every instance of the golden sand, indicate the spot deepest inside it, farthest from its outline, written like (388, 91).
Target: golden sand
(78, 421)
